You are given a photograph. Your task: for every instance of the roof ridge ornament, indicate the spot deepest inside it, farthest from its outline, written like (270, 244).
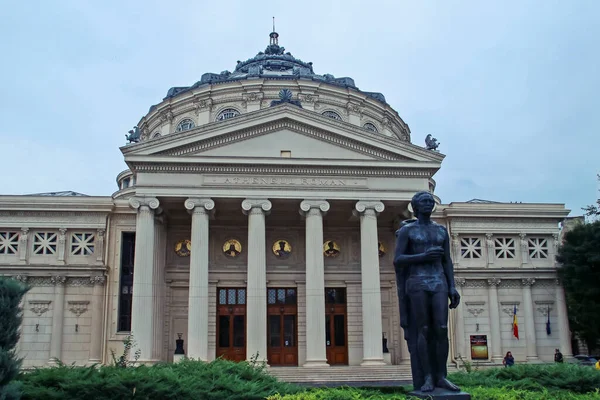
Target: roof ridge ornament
(285, 96)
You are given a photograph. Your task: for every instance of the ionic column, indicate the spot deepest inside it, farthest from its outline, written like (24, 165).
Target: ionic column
(256, 302)
(563, 322)
(142, 309)
(57, 318)
(316, 355)
(497, 355)
(97, 318)
(197, 336)
(370, 278)
(459, 332)
(529, 316)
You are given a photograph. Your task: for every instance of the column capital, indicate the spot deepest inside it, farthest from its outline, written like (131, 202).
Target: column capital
(528, 281)
(307, 205)
(58, 280)
(97, 280)
(138, 202)
(363, 205)
(199, 205)
(263, 204)
(459, 281)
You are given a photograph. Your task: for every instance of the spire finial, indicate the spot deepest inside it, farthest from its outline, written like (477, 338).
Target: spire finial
(274, 36)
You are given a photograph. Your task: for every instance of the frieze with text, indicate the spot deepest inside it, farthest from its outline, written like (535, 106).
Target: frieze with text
(233, 180)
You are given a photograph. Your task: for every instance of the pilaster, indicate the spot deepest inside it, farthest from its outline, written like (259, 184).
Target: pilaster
(370, 279)
(57, 318)
(97, 318)
(563, 322)
(316, 355)
(256, 308)
(459, 331)
(529, 316)
(497, 355)
(197, 336)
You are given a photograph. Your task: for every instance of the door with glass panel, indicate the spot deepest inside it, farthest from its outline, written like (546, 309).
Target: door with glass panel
(282, 317)
(336, 331)
(231, 323)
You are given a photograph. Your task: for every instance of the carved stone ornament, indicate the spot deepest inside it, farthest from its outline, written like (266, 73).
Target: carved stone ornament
(509, 307)
(97, 280)
(362, 206)
(249, 205)
(308, 98)
(528, 281)
(307, 205)
(460, 281)
(183, 248)
(199, 205)
(39, 307)
(78, 307)
(494, 282)
(58, 280)
(150, 202)
(354, 108)
(544, 307)
(475, 308)
(21, 278)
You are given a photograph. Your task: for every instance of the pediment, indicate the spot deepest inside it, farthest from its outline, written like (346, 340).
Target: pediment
(265, 133)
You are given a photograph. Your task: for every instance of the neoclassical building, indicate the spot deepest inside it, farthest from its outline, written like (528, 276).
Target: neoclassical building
(257, 218)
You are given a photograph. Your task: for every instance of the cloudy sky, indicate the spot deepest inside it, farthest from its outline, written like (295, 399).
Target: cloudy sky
(509, 88)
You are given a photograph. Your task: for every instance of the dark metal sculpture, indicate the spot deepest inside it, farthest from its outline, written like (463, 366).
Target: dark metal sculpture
(134, 135)
(431, 143)
(425, 281)
(285, 96)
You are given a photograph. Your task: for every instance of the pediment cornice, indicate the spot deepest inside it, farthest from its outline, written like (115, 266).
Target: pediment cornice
(268, 120)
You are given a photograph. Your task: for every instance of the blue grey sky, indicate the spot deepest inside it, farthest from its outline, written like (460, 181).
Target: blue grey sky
(509, 88)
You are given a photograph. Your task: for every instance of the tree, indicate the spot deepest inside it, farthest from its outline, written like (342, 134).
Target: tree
(11, 293)
(594, 209)
(580, 276)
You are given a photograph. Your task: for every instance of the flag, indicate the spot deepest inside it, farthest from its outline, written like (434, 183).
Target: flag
(515, 323)
(548, 329)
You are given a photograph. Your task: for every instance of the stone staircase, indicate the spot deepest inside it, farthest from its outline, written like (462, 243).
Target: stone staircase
(371, 375)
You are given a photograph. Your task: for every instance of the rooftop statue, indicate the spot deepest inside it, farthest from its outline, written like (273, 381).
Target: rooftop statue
(134, 135)
(425, 281)
(431, 143)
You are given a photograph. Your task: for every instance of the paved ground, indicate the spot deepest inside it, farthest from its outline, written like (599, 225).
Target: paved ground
(362, 384)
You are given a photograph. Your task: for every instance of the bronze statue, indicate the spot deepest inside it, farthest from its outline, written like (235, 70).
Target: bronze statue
(425, 278)
(431, 143)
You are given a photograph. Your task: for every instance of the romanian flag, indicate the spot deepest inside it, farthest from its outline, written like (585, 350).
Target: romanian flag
(515, 323)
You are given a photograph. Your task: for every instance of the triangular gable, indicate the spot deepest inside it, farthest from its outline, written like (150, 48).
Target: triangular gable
(352, 142)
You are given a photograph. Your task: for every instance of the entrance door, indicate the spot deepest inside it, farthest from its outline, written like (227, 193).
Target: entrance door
(336, 335)
(231, 324)
(282, 316)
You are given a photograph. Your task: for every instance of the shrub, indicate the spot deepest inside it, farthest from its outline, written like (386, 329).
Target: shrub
(570, 377)
(187, 379)
(344, 393)
(11, 293)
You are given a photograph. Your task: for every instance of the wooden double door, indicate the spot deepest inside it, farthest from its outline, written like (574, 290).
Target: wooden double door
(231, 323)
(336, 326)
(282, 327)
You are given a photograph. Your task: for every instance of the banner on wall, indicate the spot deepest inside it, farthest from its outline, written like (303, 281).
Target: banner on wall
(479, 347)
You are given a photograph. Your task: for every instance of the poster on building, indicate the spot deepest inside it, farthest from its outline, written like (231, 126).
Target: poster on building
(479, 347)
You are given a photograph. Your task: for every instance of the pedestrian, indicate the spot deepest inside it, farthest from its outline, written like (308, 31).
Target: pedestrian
(509, 360)
(558, 357)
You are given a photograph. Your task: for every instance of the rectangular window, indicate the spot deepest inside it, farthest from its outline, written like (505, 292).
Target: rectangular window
(82, 244)
(232, 296)
(335, 296)
(538, 248)
(9, 243)
(504, 248)
(281, 296)
(470, 248)
(126, 279)
(286, 153)
(44, 243)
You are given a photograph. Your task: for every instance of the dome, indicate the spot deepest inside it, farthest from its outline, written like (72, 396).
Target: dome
(272, 63)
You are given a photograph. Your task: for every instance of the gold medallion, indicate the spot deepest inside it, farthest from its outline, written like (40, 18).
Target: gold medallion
(282, 248)
(232, 248)
(381, 248)
(183, 248)
(331, 249)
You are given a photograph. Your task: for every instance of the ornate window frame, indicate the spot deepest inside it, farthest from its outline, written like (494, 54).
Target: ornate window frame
(471, 248)
(82, 244)
(505, 248)
(9, 243)
(227, 110)
(538, 248)
(157, 134)
(370, 127)
(45, 243)
(329, 113)
(181, 121)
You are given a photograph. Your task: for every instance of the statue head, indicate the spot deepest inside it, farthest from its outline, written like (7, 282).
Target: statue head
(422, 203)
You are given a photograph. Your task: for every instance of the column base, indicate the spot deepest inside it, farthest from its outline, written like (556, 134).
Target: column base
(497, 359)
(367, 362)
(178, 357)
(93, 361)
(316, 364)
(533, 359)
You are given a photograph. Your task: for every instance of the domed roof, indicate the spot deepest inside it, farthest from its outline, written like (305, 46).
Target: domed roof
(273, 63)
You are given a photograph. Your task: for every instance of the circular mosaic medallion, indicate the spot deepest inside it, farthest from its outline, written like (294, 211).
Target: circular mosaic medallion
(183, 248)
(282, 248)
(331, 249)
(232, 248)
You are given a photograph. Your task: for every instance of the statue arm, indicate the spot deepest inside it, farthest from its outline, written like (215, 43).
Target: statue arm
(447, 261)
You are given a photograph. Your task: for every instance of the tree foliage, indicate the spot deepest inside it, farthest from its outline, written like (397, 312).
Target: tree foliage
(11, 293)
(594, 209)
(580, 276)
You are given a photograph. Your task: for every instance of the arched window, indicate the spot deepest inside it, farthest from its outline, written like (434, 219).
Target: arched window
(227, 113)
(370, 127)
(185, 125)
(157, 134)
(332, 115)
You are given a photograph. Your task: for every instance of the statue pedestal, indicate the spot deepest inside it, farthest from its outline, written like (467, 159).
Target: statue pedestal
(441, 394)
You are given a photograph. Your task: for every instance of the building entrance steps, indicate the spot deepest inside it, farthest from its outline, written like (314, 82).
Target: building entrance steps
(343, 374)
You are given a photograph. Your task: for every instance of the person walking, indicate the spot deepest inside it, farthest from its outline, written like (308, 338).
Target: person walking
(509, 360)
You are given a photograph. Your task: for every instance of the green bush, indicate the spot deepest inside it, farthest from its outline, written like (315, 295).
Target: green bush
(188, 379)
(569, 377)
(11, 293)
(344, 393)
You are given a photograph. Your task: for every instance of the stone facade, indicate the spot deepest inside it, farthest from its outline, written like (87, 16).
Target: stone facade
(332, 190)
